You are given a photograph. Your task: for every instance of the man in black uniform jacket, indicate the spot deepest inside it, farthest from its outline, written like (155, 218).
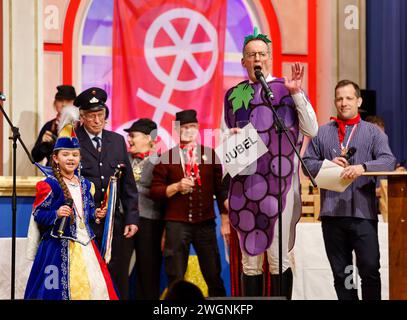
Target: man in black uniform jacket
(44, 146)
(102, 151)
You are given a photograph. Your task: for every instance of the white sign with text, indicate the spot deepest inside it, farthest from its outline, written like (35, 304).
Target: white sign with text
(241, 150)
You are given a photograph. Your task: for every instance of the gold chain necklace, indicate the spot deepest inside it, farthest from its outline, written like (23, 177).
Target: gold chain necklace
(138, 169)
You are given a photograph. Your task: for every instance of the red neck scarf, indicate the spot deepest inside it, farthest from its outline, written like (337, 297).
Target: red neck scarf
(140, 155)
(343, 123)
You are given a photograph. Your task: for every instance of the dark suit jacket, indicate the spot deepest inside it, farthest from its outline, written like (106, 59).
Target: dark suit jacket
(41, 149)
(193, 207)
(99, 171)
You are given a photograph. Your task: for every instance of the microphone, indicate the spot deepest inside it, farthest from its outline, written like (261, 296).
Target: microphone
(69, 203)
(260, 77)
(2, 96)
(350, 153)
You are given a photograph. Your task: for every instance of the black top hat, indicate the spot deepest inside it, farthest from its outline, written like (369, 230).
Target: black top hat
(145, 126)
(186, 116)
(92, 99)
(65, 92)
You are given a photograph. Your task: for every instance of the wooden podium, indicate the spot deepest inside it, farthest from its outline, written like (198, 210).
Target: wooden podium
(397, 224)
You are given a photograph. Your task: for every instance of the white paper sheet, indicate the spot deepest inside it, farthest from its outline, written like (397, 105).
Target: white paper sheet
(329, 177)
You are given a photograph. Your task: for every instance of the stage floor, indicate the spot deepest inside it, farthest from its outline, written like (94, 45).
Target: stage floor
(312, 275)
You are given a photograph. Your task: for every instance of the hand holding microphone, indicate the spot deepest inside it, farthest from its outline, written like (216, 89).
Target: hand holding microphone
(351, 171)
(349, 154)
(64, 212)
(343, 160)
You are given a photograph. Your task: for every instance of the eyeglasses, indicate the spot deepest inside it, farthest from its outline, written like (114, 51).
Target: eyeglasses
(252, 55)
(93, 116)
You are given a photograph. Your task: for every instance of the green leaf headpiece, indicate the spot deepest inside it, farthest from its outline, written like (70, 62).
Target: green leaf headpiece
(256, 36)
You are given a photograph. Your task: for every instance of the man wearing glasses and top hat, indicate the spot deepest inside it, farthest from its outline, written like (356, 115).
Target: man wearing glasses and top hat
(102, 153)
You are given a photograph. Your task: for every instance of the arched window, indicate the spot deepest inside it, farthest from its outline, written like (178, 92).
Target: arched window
(94, 49)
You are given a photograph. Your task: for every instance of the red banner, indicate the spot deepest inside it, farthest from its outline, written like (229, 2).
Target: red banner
(167, 57)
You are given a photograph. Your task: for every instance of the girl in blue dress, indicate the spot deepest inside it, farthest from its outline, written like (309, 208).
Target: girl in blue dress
(67, 265)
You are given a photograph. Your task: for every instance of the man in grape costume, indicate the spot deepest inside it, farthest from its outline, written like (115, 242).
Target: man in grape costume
(253, 198)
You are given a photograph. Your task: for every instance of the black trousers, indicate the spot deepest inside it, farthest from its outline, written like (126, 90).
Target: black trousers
(121, 254)
(147, 243)
(202, 236)
(342, 235)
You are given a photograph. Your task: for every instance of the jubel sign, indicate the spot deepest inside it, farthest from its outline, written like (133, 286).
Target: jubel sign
(241, 150)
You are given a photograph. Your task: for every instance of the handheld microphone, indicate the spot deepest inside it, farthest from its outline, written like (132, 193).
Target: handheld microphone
(260, 77)
(2, 96)
(69, 203)
(350, 153)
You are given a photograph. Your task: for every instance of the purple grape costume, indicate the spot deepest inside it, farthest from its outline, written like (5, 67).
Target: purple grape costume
(253, 199)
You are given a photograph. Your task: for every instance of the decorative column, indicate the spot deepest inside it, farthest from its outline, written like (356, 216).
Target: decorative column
(22, 77)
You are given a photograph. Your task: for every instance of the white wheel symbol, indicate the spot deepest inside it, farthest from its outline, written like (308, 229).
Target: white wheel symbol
(183, 50)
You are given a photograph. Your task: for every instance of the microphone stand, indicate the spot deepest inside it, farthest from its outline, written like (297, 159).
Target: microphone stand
(281, 129)
(16, 136)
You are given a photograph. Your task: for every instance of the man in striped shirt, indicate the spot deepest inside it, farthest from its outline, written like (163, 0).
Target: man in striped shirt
(349, 219)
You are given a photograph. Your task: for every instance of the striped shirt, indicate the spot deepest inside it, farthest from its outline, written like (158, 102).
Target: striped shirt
(372, 149)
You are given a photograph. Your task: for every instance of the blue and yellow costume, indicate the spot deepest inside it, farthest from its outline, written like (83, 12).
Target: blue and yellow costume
(67, 266)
